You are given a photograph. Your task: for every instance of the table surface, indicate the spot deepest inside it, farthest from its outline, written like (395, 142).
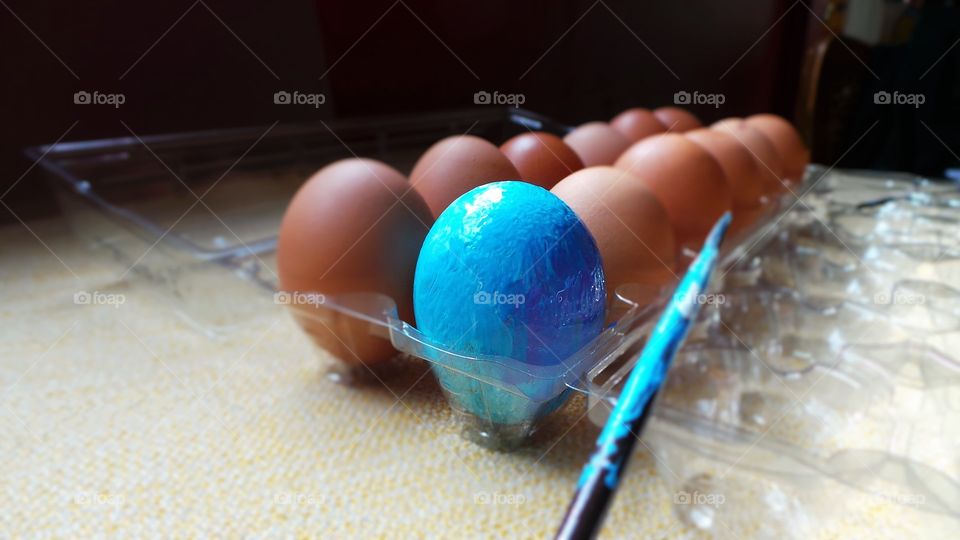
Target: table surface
(125, 420)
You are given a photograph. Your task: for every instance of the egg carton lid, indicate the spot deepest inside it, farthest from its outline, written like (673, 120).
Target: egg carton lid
(245, 176)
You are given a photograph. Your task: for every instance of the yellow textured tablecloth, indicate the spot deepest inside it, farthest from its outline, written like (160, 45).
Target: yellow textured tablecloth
(124, 420)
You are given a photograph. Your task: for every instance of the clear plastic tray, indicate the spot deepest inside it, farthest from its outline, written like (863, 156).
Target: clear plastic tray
(829, 360)
(800, 276)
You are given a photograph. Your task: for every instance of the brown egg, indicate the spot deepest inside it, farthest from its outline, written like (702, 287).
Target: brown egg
(541, 158)
(677, 120)
(597, 143)
(742, 171)
(685, 178)
(355, 226)
(454, 166)
(631, 228)
(786, 140)
(748, 218)
(637, 124)
(760, 147)
(726, 123)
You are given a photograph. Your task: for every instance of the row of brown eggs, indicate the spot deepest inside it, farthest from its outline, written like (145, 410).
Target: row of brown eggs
(645, 185)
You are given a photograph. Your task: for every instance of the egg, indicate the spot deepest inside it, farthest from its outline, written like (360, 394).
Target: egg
(786, 140)
(509, 270)
(637, 124)
(454, 166)
(748, 219)
(687, 181)
(541, 158)
(727, 123)
(355, 226)
(631, 228)
(677, 120)
(744, 175)
(761, 148)
(597, 143)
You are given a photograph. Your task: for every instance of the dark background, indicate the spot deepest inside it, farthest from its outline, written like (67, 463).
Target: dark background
(191, 65)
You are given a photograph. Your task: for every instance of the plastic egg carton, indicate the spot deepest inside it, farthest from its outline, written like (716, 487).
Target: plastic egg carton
(796, 295)
(828, 363)
(180, 212)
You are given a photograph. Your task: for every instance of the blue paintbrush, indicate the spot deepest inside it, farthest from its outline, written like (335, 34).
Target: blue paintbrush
(602, 474)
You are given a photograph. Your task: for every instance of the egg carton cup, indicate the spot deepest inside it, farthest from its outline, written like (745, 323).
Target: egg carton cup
(879, 419)
(804, 287)
(927, 230)
(865, 188)
(489, 383)
(866, 255)
(915, 215)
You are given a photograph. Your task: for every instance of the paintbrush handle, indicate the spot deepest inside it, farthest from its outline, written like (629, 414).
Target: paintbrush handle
(586, 512)
(589, 506)
(602, 473)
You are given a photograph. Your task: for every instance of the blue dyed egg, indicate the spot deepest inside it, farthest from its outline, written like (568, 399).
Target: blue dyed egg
(509, 270)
